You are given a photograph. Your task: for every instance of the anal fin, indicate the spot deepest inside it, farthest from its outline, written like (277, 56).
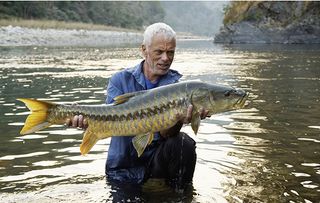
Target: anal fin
(88, 141)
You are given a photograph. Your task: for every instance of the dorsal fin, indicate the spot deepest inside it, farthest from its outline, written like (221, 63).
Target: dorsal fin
(125, 97)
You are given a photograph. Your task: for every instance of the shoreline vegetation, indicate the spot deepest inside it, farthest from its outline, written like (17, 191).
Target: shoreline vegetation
(60, 25)
(20, 32)
(131, 15)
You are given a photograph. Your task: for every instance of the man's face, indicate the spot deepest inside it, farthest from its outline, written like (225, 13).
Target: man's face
(159, 55)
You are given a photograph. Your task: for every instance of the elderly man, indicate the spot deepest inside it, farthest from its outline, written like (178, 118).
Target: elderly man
(171, 155)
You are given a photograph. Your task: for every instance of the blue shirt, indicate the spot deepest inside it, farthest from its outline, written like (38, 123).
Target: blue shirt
(123, 163)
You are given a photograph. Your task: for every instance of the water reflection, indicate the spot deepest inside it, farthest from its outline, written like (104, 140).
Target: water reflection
(267, 152)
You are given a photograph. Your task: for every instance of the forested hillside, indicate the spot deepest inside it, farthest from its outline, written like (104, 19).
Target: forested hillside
(120, 14)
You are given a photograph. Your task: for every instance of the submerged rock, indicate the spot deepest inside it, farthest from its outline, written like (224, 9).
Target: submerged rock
(271, 22)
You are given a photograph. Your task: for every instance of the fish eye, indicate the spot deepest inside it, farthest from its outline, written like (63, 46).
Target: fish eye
(227, 93)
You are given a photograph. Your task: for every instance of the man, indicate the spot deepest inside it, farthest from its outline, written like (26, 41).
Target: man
(171, 155)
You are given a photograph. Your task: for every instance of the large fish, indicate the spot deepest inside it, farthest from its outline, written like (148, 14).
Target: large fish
(139, 113)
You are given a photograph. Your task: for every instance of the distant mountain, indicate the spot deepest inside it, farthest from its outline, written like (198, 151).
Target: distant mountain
(199, 17)
(292, 22)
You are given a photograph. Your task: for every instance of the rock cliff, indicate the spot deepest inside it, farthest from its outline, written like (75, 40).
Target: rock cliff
(271, 22)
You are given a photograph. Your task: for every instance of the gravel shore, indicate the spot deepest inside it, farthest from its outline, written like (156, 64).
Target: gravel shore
(20, 36)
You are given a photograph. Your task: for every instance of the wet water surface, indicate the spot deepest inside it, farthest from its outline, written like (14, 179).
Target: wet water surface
(267, 152)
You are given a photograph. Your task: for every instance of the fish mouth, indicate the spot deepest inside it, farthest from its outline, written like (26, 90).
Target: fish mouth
(241, 101)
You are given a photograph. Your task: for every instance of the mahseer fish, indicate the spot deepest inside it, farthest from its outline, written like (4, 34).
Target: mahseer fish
(139, 114)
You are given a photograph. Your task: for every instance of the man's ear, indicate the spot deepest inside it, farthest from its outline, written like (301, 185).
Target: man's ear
(144, 50)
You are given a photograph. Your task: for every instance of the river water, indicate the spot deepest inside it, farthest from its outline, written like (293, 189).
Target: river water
(267, 152)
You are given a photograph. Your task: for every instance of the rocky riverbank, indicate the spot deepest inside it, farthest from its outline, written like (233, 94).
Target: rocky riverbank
(271, 22)
(21, 36)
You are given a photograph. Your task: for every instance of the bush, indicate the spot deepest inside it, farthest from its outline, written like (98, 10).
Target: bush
(122, 14)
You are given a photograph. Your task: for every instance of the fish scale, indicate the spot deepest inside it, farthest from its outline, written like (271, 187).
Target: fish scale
(138, 114)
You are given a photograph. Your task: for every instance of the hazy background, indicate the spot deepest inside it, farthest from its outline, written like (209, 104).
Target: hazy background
(200, 18)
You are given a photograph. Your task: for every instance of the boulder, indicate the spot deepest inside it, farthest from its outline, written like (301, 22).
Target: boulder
(271, 22)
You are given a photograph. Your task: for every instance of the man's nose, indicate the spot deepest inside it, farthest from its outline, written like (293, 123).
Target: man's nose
(164, 56)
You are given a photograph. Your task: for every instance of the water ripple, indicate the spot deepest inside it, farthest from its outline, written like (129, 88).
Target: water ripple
(34, 154)
(309, 139)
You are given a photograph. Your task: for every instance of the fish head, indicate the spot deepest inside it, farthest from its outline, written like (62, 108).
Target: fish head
(222, 98)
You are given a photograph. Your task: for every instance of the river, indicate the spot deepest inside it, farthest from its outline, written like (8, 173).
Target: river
(266, 152)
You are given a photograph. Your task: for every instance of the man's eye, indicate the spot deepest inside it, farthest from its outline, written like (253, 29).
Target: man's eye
(170, 53)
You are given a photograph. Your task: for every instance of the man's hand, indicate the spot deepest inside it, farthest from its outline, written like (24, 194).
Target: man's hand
(183, 120)
(203, 114)
(78, 121)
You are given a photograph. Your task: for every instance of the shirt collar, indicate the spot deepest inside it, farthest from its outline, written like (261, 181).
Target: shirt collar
(138, 74)
(171, 77)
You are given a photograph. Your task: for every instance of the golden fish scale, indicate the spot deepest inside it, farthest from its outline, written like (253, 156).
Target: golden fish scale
(153, 123)
(115, 120)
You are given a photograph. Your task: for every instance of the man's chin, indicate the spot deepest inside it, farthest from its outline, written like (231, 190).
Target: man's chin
(163, 71)
(163, 68)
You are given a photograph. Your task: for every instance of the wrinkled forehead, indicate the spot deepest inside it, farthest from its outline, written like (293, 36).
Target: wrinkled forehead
(163, 41)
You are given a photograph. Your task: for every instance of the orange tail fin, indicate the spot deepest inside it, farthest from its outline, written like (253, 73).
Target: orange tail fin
(37, 120)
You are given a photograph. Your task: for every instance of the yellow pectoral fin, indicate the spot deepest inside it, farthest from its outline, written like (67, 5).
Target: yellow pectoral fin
(140, 142)
(195, 122)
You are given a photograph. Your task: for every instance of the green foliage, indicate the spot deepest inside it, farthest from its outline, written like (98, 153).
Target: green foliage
(253, 16)
(122, 14)
(237, 11)
(280, 13)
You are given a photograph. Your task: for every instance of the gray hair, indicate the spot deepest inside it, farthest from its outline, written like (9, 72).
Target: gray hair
(157, 28)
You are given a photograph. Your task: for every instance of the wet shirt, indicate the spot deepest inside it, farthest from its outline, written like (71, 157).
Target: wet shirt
(151, 85)
(123, 163)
